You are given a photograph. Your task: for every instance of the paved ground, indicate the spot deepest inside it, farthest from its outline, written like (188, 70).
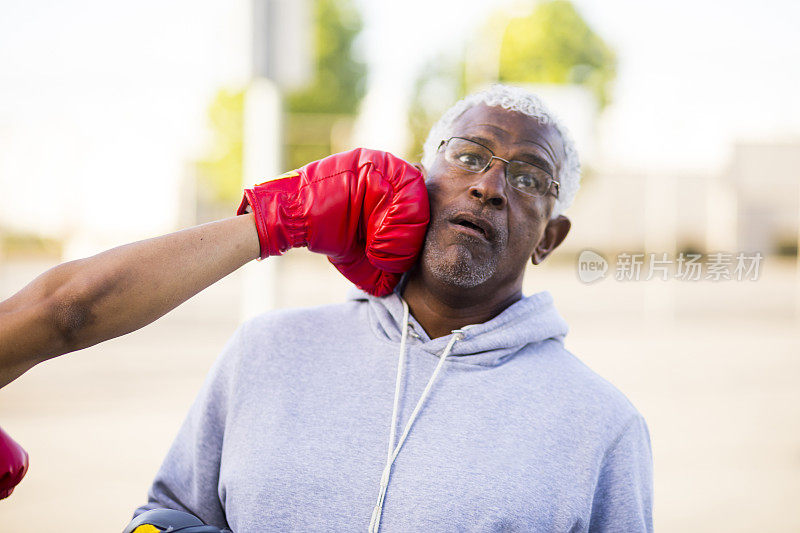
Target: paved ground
(714, 368)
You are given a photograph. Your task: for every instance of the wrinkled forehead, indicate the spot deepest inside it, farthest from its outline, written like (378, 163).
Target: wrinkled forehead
(511, 133)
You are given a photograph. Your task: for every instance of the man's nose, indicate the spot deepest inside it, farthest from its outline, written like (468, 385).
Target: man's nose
(490, 186)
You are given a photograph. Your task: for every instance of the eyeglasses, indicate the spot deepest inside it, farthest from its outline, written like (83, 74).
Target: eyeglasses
(475, 157)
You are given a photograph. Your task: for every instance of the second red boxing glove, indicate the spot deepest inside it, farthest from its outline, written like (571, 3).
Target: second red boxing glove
(366, 210)
(13, 464)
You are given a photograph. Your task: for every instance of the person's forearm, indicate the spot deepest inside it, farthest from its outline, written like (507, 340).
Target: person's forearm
(81, 303)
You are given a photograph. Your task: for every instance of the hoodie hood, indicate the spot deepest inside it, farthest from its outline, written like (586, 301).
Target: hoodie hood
(531, 320)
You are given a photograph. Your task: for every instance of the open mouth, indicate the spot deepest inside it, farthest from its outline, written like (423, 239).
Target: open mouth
(473, 226)
(468, 224)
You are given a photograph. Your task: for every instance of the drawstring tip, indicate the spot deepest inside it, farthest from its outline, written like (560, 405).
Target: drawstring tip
(373, 526)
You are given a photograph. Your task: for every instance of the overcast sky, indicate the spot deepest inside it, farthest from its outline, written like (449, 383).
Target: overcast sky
(103, 103)
(693, 75)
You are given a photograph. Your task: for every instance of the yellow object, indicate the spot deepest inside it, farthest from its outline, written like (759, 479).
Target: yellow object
(147, 528)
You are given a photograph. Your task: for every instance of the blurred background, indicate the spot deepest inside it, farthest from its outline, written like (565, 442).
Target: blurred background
(125, 121)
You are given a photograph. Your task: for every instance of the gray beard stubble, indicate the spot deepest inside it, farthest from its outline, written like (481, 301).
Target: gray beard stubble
(460, 270)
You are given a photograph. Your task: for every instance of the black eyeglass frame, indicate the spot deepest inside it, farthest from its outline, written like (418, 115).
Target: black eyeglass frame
(552, 182)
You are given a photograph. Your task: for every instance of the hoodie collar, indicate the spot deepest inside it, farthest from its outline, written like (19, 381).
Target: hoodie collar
(530, 320)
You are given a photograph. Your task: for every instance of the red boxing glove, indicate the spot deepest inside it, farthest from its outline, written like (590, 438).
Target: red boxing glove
(366, 210)
(13, 464)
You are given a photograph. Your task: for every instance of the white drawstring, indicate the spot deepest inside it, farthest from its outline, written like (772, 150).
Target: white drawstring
(374, 523)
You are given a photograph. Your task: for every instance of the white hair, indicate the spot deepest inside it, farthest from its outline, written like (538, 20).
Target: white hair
(522, 101)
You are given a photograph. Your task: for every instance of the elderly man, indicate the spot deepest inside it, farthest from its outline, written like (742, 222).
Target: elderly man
(492, 425)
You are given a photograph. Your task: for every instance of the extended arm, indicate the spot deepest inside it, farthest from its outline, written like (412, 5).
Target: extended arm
(366, 210)
(84, 302)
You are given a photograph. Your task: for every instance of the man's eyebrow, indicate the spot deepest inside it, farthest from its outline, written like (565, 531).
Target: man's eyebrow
(537, 161)
(526, 157)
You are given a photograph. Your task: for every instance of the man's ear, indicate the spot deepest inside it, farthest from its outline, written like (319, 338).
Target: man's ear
(554, 234)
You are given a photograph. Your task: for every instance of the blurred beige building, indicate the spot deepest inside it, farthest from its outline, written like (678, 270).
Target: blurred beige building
(766, 179)
(752, 204)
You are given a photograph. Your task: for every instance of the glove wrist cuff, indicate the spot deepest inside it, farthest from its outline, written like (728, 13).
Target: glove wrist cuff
(250, 198)
(279, 220)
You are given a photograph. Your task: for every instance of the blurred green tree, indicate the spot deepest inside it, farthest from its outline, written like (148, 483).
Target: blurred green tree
(339, 78)
(315, 113)
(551, 44)
(320, 116)
(439, 84)
(219, 174)
(554, 44)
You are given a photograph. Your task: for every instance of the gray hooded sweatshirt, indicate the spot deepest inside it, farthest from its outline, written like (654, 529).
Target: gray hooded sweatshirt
(497, 427)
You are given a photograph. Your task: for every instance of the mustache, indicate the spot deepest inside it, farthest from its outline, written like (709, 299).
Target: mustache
(445, 215)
